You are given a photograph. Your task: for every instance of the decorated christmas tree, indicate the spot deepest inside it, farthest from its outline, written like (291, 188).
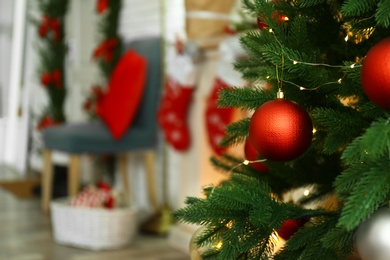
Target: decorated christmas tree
(322, 122)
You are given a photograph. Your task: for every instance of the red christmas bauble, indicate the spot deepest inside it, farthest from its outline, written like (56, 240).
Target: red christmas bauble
(261, 24)
(280, 130)
(252, 155)
(375, 74)
(290, 227)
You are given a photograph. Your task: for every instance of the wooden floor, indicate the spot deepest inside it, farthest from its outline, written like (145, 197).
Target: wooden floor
(25, 234)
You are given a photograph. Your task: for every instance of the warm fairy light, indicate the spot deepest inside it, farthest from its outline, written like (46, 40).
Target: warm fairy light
(352, 66)
(346, 38)
(219, 245)
(229, 224)
(270, 30)
(268, 77)
(301, 88)
(339, 80)
(306, 193)
(286, 18)
(246, 162)
(295, 62)
(314, 130)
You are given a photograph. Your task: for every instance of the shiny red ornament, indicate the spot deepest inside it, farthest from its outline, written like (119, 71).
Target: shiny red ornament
(280, 130)
(252, 155)
(290, 227)
(375, 76)
(261, 24)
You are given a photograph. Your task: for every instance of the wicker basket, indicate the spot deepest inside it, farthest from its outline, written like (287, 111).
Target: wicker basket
(92, 228)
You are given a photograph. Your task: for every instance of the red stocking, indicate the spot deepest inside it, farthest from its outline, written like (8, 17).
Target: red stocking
(217, 118)
(172, 114)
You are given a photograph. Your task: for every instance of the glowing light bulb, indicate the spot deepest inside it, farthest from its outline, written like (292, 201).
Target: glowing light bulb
(346, 38)
(275, 235)
(270, 30)
(301, 88)
(295, 62)
(339, 81)
(246, 162)
(306, 193)
(219, 245)
(314, 130)
(268, 77)
(352, 66)
(286, 18)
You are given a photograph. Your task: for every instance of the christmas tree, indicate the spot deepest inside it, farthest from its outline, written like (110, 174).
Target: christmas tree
(331, 62)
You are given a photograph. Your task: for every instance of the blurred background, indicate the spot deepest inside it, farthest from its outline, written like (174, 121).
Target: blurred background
(57, 60)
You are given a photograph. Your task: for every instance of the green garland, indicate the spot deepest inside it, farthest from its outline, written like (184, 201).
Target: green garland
(52, 52)
(108, 52)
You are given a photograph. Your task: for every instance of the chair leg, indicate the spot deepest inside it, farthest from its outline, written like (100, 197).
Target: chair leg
(124, 171)
(47, 180)
(74, 175)
(150, 161)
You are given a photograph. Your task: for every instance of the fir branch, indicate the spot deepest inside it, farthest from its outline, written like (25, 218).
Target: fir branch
(305, 244)
(310, 3)
(236, 133)
(339, 240)
(369, 193)
(374, 143)
(356, 8)
(334, 121)
(382, 16)
(245, 98)
(349, 178)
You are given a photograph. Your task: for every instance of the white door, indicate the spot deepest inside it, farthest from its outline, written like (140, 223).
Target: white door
(14, 123)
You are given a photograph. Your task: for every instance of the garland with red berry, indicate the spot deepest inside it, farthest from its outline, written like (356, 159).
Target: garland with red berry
(52, 52)
(108, 51)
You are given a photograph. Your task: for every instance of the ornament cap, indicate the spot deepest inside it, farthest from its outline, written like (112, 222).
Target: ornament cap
(280, 94)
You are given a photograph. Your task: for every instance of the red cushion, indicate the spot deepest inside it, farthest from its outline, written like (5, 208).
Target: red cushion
(125, 90)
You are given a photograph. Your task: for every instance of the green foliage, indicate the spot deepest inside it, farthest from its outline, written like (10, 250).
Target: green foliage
(383, 15)
(373, 144)
(52, 53)
(370, 192)
(236, 132)
(108, 29)
(307, 3)
(356, 8)
(309, 58)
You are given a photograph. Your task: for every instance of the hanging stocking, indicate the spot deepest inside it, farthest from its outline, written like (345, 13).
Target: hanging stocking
(218, 118)
(173, 110)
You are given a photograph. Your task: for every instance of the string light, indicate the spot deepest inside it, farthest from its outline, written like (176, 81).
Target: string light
(306, 193)
(246, 162)
(314, 130)
(295, 62)
(274, 235)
